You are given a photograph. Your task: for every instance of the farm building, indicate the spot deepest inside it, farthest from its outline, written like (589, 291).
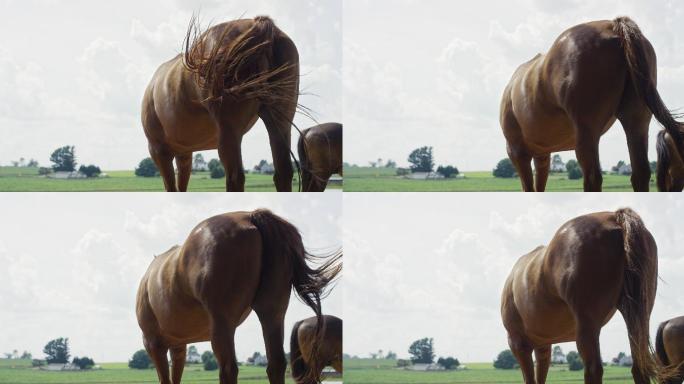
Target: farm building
(424, 176)
(60, 367)
(67, 175)
(425, 367)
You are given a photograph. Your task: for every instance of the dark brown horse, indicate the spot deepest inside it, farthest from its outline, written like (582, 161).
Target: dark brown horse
(228, 266)
(595, 265)
(320, 152)
(669, 346)
(212, 94)
(304, 357)
(593, 74)
(670, 169)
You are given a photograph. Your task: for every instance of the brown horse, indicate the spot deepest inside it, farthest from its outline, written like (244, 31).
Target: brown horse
(567, 291)
(669, 346)
(229, 265)
(593, 74)
(670, 169)
(320, 152)
(212, 94)
(305, 358)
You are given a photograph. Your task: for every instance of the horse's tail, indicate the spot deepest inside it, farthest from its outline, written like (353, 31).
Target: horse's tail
(635, 46)
(297, 363)
(235, 69)
(638, 290)
(660, 347)
(663, 163)
(304, 161)
(282, 239)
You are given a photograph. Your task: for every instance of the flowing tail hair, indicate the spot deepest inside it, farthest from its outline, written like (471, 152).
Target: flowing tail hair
(282, 239)
(663, 163)
(297, 363)
(638, 293)
(635, 44)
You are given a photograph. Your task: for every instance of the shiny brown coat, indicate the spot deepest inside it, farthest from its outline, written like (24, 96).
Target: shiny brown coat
(595, 265)
(594, 74)
(303, 354)
(320, 154)
(669, 346)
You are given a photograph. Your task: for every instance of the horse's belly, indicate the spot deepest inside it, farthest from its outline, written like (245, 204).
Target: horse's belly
(189, 133)
(546, 134)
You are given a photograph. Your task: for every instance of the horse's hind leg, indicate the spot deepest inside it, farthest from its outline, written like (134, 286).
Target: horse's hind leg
(178, 354)
(635, 122)
(272, 318)
(543, 357)
(587, 152)
(184, 165)
(588, 332)
(541, 167)
(158, 352)
(223, 345)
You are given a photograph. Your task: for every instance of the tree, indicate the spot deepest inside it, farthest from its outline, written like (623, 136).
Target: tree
(262, 163)
(64, 159)
(390, 164)
(403, 363)
(198, 163)
(140, 360)
(574, 361)
(449, 362)
(504, 168)
(653, 165)
(616, 168)
(209, 361)
(44, 171)
(391, 355)
(90, 170)
(147, 168)
(403, 171)
(216, 169)
(505, 360)
(26, 355)
(421, 351)
(33, 163)
(574, 170)
(192, 356)
(447, 171)
(57, 351)
(83, 362)
(421, 160)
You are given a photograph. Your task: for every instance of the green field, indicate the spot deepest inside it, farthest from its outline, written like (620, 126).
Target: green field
(16, 179)
(20, 372)
(367, 371)
(367, 179)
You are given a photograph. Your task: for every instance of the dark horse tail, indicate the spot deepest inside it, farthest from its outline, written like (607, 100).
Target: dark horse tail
(635, 46)
(304, 160)
(282, 239)
(660, 347)
(638, 291)
(664, 161)
(235, 70)
(297, 363)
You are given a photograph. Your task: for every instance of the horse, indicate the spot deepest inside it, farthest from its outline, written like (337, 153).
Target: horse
(670, 165)
(595, 265)
(669, 346)
(594, 73)
(228, 266)
(320, 152)
(304, 357)
(210, 96)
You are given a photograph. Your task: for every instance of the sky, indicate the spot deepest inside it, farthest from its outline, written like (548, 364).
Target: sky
(419, 265)
(73, 72)
(432, 72)
(72, 263)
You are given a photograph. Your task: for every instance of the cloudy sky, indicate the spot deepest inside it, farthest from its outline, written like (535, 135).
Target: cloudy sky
(73, 72)
(434, 265)
(432, 72)
(72, 263)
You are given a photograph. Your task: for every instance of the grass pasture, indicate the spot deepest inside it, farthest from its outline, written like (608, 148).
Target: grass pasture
(21, 372)
(367, 179)
(15, 179)
(367, 371)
